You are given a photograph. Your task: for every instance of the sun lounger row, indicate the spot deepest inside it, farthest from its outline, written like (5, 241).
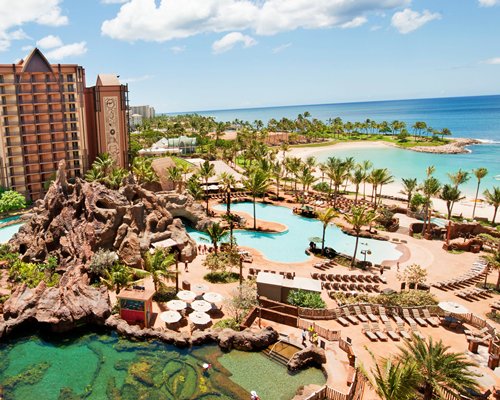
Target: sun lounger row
(474, 294)
(223, 196)
(324, 265)
(496, 305)
(361, 278)
(252, 272)
(350, 287)
(475, 274)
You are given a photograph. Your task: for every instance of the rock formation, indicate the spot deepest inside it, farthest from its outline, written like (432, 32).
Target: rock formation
(311, 355)
(75, 220)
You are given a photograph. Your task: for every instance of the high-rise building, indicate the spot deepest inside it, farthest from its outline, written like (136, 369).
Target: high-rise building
(143, 111)
(47, 114)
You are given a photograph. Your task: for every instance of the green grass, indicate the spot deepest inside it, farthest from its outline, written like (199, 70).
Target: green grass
(494, 316)
(319, 144)
(180, 161)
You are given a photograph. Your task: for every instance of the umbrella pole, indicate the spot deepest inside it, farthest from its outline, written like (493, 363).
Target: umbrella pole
(176, 272)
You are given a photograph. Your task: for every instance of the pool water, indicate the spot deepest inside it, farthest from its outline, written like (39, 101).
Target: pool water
(290, 246)
(9, 219)
(94, 366)
(7, 232)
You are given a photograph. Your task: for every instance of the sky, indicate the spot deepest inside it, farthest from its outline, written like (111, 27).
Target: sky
(194, 55)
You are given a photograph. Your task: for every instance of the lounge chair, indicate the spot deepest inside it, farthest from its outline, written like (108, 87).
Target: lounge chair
(367, 331)
(370, 315)
(359, 314)
(382, 313)
(418, 319)
(415, 331)
(434, 322)
(407, 317)
(341, 320)
(351, 318)
(376, 329)
(390, 332)
(402, 331)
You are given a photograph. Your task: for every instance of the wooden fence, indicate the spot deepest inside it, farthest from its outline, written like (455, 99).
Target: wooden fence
(356, 391)
(325, 333)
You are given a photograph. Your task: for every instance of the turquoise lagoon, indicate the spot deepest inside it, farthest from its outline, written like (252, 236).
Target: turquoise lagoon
(7, 232)
(94, 366)
(289, 246)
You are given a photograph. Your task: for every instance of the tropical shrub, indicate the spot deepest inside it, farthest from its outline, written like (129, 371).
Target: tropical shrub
(11, 201)
(164, 294)
(242, 300)
(222, 261)
(32, 274)
(221, 277)
(322, 187)
(412, 298)
(304, 298)
(230, 323)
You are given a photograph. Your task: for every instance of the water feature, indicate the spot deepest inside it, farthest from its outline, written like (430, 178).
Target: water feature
(7, 232)
(103, 366)
(10, 219)
(289, 246)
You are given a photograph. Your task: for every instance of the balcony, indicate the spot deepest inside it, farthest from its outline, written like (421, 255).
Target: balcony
(6, 113)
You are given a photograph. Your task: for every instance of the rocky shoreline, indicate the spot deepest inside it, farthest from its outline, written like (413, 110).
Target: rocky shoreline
(457, 146)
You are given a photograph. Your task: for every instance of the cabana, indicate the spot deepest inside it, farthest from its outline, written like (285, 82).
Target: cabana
(136, 306)
(276, 287)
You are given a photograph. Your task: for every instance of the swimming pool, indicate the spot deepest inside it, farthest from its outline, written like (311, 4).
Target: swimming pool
(289, 246)
(9, 231)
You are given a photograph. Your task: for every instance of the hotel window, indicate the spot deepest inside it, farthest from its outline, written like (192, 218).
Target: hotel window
(69, 78)
(1, 78)
(74, 136)
(71, 88)
(73, 126)
(75, 154)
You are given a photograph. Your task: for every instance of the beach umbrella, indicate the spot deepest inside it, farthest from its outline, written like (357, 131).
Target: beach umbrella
(186, 295)
(176, 305)
(170, 317)
(201, 305)
(199, 288)
(452, 307)
(213, 297)
(199, 318)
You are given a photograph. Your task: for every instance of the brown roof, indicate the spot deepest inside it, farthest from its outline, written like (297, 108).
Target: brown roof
(107, 80)
(160, 166)
(130, 294)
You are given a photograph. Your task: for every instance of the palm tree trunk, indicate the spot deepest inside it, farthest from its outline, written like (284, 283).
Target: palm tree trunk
(497, 287)
(353, 262)
(428, 392)
(356, 195)
(254, 215)
(494, 216)
(475, 200)
(323, 242)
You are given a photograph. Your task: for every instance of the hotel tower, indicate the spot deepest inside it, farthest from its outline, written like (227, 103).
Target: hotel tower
(47, 114)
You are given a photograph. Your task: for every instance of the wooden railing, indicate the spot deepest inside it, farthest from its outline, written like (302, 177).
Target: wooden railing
(325, 333)
(356, 391)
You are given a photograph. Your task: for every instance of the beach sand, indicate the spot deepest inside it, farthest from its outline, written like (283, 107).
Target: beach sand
(463, 207)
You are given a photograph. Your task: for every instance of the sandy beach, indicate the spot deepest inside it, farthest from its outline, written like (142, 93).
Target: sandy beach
(464, 207)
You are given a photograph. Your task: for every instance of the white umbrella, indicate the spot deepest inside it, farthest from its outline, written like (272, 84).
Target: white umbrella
(199, 318)
(176, 305)
(170, 317)
(201, 305)
(452, 307)
(186, 295)
(213, 297)
(199, 287)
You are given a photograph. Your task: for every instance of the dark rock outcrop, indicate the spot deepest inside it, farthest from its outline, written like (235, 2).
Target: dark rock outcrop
(311, 355)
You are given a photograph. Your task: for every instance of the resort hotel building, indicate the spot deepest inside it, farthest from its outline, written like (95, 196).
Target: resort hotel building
(47, 114)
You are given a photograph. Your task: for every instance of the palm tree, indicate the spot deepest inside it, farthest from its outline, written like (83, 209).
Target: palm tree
(394, 380)
(480, 173)
(206, 171)
(118, 277)
(440, 371)
(230, 219)
(175, 175)
(277, 172)
(493, 198)
(216, 234)
(409, 187)
(325, 218)
(366, 165)
(494, 263)
(228, 181)
(359, 217)
(256, 183)
(193, 187)
(431, 188)
(158, 266)
(450, 194)
(385, 179)
(357, 179)
(459, 177)
(143, 171)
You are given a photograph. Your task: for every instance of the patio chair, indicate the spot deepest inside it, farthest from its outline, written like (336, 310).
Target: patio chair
(376, 329)
(415, 331)
(407, 317)
(351, 318)
(434, 322)
(367, 331)
(390, 332)
(359, 314)
(327, 285)
(330, 277)
(382, 313)
(314, 275)
(418, 319)
(402, 331)
(341, 320)
(370, 315)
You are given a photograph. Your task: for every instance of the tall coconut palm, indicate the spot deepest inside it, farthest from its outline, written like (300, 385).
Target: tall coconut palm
(458, 178)
(394, 380)
(385, 179)
(216, 234)
(430, 188)
(325, 218)
(358, 218)
(206, 171)
(440, 371)
(231, 219)
(357, 179)
(227, 181)
(493, 198)
(409, 187)
(256, 183)
(158, 266)
(494, 263)
(349, 164)
(480, 173)
(450, 194)
(143, 171)
(119, 276)
(366, 165)
(175, 175)
(277, 173)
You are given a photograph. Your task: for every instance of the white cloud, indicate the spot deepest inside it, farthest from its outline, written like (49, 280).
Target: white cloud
(279, 49)
(136, 79)
(49, 42)
(230, 40)
(375, 28)
(67, 50)
(162, 20)
(177, 49)
(17, 13)
(489, 3)
(408, 20)
(493, 61)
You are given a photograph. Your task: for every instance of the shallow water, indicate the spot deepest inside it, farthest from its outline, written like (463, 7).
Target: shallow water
(290, 246)
(9, 231)
(93, 366)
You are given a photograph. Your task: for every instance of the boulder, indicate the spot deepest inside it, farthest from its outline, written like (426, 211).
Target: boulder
(311, 355)
(247, 340)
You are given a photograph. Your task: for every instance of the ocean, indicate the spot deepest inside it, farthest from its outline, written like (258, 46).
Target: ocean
(475, 117)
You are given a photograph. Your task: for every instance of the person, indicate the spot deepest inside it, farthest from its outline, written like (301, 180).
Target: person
(206, 367)
(304, 336)
(397, 266)
(314, 339)
(382, 270)
(254, 395)
(186, 266)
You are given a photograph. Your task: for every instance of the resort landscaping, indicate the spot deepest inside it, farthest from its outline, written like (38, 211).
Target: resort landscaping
(255, 246)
